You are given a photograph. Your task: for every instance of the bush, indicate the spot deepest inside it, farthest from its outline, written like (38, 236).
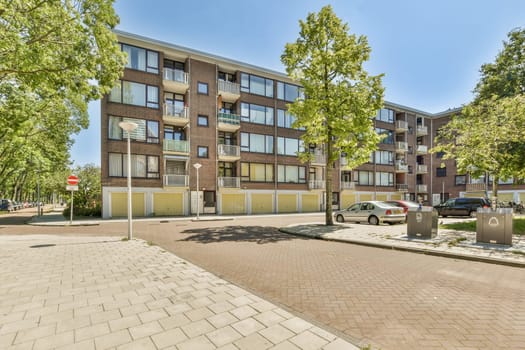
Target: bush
(83, 211)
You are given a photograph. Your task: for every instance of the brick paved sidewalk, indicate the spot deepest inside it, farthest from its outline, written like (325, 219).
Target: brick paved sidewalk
(105, 293)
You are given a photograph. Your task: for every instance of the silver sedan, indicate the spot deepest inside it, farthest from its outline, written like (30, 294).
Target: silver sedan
(373, 212)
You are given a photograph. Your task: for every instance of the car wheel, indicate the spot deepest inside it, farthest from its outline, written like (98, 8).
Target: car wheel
(472, 214)
(340, 218)
(373, 220)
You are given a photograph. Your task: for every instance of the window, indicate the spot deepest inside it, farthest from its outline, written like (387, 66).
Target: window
(441, 172)
(256, 143)
(440, 154)
(146, 131)
(174, 104)
(385, 115)
(136, 94)
(289, 92)
(256, 114)
(389, 136)
(289, 146)
(384, 157)
(384, 179)
(256, 85)
(256, 172)
(364, 178)
(202, 88)
(202, 151)
(202, 120)
(291, 174)
(460, 180)
(174, 133)
(141, 59)
(142, 166)
(227, 169)
(286, 120)
(227, 77)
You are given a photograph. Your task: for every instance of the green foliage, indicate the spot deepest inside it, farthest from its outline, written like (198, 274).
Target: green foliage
(518, 224)
(341, 97)
(95, 211)
(55, 57)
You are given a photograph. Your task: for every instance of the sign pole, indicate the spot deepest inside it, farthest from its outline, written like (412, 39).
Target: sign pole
(71, 213)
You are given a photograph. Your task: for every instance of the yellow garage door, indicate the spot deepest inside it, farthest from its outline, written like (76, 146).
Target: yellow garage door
(396, 196)
(262, 203)
(381, 197)
(119, 204)
(168, 204)
(522, 197)
(233, 204)
(310, 203)
(287, 203)
(347, 200)
(365, 197)
(505, 197)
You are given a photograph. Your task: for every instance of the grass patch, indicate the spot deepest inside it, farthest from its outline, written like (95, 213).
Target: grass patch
(518, 226)
(455, 242)
(124, 239)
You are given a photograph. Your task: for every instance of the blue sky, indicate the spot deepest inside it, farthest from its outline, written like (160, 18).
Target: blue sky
(429, 51)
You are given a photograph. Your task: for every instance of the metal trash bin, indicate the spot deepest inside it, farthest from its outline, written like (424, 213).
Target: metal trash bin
(494, 226)
(422, 222)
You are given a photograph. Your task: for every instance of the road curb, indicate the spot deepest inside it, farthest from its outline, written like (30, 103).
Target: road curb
(413, 250)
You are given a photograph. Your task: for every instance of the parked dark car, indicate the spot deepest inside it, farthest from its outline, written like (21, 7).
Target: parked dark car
(7, 205)
(462, 206)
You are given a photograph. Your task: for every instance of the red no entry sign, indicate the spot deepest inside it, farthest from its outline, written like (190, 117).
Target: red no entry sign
(72, 180)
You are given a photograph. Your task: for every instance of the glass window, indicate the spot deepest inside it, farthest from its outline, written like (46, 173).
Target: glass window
(141, 59)
(440, 154)
(389, 135)
(256, 143)
(255, 172)
(152, 131)
(136, 94)
(291, 174)
(289, 146)
(115, 164)
(386, 115)
(365, 178)
(384, 157)
(460, 179)
(253, 113)
(146, 131)
(384, 179)
(141, 165)
(202, 151)
(288, 92)
(202, 88)
(256, 85)
(202, 120)
(441, 172)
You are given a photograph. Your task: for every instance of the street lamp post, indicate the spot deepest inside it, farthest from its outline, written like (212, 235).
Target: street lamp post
(197, 166)
(129, 127)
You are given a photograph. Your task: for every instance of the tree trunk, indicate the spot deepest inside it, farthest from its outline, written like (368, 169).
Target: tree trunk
(328, 181)
(495, 191)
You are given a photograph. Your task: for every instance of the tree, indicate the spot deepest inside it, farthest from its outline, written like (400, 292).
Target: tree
(482, 137)
(487, 136)
(341, 97)
(55, 57)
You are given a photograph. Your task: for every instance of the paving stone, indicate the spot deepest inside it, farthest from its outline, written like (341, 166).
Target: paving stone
(308, 341)
(223, 336)
(277, 333)
(113, 339)
(247, 326)
(91, 332)
(145, 330)
(170, 337)
(201, 343)
(140, 344)
(197, 328)
(54, 341)
(253, 342)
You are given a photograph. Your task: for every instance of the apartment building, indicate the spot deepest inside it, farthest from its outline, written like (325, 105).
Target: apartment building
(231, 118)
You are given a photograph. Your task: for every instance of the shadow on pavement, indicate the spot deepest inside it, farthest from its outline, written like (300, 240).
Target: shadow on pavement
(257, 234)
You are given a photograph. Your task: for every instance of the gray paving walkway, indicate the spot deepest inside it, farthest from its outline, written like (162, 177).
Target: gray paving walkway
(106, 293)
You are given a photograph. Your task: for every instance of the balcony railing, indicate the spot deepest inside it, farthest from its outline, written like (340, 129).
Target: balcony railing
(318, 158)
(401, 125)
(476, 187)
(171, 110)
(401, 146)
(229, 151)
(421, 188)
(421, 168)
(348, 185)
(229, 182)
(229, 88)
(402, 187)
(176, 180)
(227, 118)
(421, 130)
(176, 146)
(175, 75)
(422, 149)
(401, 167)
(316, 184)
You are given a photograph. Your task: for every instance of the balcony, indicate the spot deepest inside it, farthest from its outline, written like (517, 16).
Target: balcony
(176, 146)
(318, 158)
(229, 182)
(421, 130)
(476, 187)
(316, 184)
(228, 122)
(229, 153)
(175, 116)
(401, 167)
(230, 92)
(175, 80)
(422, 149)
(171, 180)
(421, 169)
(421, 188)
(401, 125)
(401, 146)
(348, 185)
(402, 187)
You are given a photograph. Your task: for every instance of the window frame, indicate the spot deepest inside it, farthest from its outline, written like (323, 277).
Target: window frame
(133, 134)
(149, 174)
(199, 148)
(202, 117)
(147, 102)
(148, 68)
(268, 143)
(202, 84)
(246, 85)
(268, 169)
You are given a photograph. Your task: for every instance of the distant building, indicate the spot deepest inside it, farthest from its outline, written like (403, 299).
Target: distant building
(194, 107)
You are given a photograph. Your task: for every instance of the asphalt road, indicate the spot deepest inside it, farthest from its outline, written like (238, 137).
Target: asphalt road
(389, 299)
